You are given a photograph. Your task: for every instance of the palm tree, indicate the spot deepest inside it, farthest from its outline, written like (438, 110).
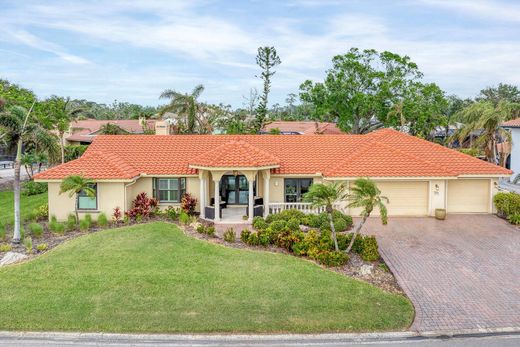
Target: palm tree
(365, 194)
(75, 184)
(17, 128)
(326, 195)
(112, 129)
(485, 118)
(58, 113)
(185, 105)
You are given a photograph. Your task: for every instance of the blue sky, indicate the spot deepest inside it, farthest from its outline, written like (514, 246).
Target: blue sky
(132, 50)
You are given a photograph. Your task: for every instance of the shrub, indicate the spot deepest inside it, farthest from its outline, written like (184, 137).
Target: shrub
(201, 229)
(36, 229)
(230, 235)
(102, 220)
(293, 224)
(507, 203)
(28, 244)
(33, 188)
(263, 238)
(184, 218)
(172, 213)
(53, 218)
(244, 235)
(5, 247)
(2, 231)
(312, 220)
(278, 225)
(332, 258)
(71, 222)
(56, 227)
(370, 250)
(384, 267)
(116, 215)
(210, 231)
(344, 241)
(84, 225)
(41, 212)
(259, 223)
(285, 215)
(188, 203)
(126, 220)
(253, 239)
(514, 219)
(88, 218)
(340, 225)
(286, 239)
(142, 206)
(42, 247)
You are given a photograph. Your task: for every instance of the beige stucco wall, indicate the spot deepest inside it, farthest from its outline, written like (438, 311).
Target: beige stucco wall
(110, 195)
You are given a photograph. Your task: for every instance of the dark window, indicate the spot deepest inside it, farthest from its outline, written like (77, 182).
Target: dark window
(169, 189)
(295, 188)
(86, 202)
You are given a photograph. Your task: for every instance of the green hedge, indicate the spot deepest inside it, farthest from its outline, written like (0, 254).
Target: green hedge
(507, 204)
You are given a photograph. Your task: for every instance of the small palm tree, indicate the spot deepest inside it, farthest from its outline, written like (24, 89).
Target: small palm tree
(186, 105)
(365, 194)
(326, 195)
(75, 184)
(17, 128)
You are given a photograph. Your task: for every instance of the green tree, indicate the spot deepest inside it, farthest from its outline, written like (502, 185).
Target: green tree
(501, 92)
(75, 184)
(267, 59)
(326, 195)
(112, 129)
(17, 128)
(360, 89)
(57, 114)
(366, 195)
(185, 105)
(484, 117)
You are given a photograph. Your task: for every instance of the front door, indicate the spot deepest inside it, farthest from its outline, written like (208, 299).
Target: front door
(235, 189)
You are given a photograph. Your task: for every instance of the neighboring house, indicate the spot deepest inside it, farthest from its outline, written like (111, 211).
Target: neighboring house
(258, 174)
(514, 158)
(82, 132)
(302, 128)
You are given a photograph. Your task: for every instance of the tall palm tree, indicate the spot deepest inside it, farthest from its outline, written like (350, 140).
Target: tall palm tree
(58, 114)
(18, 128)
(185, 105)
(75, 184)
(365, 194)
(484, 117)
(326, 195)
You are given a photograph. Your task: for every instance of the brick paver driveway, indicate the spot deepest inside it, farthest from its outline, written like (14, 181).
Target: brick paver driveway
(461, 273)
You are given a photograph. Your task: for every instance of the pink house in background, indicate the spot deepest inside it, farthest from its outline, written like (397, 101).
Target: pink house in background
(302, 128)
(83, 131)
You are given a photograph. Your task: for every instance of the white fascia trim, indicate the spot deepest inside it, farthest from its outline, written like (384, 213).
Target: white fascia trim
(395, 178)
(115, 180)
(236, 168)
(167, 175)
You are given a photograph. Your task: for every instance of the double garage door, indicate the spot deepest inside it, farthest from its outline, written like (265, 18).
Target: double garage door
(410, 198)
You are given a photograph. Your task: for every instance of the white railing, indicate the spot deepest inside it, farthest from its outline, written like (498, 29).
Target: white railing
(305, 207)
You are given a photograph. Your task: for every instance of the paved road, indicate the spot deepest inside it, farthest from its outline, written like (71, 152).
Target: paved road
(461, 273)
(88, 340)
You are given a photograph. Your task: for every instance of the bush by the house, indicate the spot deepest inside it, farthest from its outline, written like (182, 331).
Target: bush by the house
(5, 247)
(201, 229)
(142, 206)
(172, 212)
(57, 228)
(42, 247)
(88, 218)
(210, 231)
(253, 239)
(259, 223)
(84, 225)
(230, 235)
(244, 235)
(28, 244)
(285, 215)
(36, 229)
(2, 231)
(188, 203)
(71, 222)
(102, 220)
(514, 219)
(370, 250)
(117, 215)
(33, 188)
(41, 212)
(184, 218)
(507, 204)
(332, 258)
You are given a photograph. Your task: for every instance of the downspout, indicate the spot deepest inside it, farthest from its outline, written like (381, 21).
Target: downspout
(126, 186)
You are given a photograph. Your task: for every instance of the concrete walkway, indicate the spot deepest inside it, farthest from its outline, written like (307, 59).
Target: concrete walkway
(461, 273)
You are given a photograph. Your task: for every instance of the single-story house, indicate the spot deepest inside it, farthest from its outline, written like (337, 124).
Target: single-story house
(261, 174)
(83, 132)
(302, 128)
(514, 127)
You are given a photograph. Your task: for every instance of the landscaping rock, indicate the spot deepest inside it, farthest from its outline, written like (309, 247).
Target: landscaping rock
(12, 257)
(366, 270)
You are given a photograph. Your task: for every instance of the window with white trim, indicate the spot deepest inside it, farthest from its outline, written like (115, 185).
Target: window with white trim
(86, 202)
(169, 189)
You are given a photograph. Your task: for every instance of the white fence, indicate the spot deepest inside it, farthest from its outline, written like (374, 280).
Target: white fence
(305, 207)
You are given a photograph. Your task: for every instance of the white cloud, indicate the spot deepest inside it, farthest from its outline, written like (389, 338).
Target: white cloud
(494, 10)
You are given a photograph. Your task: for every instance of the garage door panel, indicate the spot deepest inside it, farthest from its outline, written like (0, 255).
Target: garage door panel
(468, 196)
(407, 198)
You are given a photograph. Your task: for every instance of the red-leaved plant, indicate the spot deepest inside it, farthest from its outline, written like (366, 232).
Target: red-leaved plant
(188, 203)
(142, 206)
(116, 216)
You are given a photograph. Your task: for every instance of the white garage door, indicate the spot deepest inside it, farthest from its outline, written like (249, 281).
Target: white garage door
(468, 196)
(407, 198)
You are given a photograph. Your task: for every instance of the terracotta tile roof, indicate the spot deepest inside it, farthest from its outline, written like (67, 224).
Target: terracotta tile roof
(513, 123)
(235, 154)
(384, 153)
(304, 127)
(85, 130)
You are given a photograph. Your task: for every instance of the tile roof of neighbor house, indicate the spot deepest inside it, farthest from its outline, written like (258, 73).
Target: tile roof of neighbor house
(304, 127)
(85, 130)
(513, 123)
(383, 153)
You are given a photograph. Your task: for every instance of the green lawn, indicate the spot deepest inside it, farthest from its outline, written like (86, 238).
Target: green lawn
(27, 204)
(153, 278)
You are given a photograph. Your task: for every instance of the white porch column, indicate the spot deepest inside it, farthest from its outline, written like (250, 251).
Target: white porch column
(217, 200)
(267, 176)
(251, 199)
(202, 194)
